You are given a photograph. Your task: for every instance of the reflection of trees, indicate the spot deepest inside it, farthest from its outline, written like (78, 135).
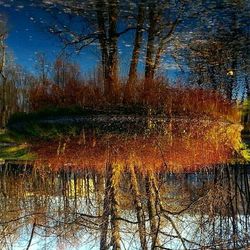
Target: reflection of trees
(151, 210)
(218, 58)
(14, 80)
(8, 101)
(150, 23)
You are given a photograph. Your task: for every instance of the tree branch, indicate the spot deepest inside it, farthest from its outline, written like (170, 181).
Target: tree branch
(31, 236)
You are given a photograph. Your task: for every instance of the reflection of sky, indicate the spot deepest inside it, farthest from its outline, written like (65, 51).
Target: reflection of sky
(28, 36)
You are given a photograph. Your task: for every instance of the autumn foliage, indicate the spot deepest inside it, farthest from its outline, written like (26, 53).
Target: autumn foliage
(184, 146)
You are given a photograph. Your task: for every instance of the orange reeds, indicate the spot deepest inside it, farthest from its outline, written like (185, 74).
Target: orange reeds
(184, 149)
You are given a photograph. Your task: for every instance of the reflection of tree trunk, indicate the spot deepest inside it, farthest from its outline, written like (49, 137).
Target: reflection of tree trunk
(149, 63)
(108, 43)
(102, 37)
(162, 44)
(4, 107)
(135, 55)
(113, 51)
(139, 208)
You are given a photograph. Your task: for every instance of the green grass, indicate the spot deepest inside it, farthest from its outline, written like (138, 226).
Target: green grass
(17, 150)
(24, 129)
(5, 137)
(34, 130)
(8, 136)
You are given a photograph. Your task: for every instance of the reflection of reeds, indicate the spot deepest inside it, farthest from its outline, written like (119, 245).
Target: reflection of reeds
(190, 147)
(160, 97)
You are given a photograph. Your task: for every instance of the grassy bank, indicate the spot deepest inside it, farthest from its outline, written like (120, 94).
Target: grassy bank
(14, 147)
(54, 112)
(43, 124)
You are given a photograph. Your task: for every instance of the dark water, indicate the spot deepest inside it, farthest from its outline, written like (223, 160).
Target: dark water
(122, 208)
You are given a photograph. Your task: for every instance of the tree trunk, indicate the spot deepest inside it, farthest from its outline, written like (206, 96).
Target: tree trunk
(106, 210)
(114, 202)
(111, 208)
(152, 210)
(139, 209)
